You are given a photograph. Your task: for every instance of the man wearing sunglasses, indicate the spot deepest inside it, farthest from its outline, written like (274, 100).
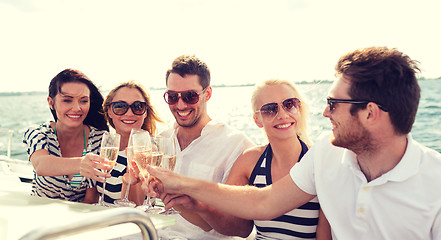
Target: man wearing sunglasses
(207, 148)
(372, 179)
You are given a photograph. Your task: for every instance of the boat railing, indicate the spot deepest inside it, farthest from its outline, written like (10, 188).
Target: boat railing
(9, 132)
(95, 221)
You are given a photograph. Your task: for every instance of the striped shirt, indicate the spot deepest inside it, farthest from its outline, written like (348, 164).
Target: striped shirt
(300, 223)
(58, 187)
(114, 183)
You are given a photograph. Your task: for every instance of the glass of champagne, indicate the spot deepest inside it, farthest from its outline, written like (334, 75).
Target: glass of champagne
(109, 150)
(125, 202)
(167, 147)
(142, 150)
(156, 161)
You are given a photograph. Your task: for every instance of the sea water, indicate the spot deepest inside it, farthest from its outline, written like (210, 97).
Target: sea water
(231, 105)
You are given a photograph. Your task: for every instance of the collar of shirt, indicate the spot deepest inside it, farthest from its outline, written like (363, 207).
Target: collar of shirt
(406, 168)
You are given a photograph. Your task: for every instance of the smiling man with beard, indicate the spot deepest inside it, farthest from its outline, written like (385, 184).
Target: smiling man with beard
(206, 148)
(372, 179)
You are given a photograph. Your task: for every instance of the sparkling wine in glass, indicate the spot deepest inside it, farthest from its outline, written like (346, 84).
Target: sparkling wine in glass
(156, 161)
(125, 202)
(167, 147)
(142, 151)
(109, 150)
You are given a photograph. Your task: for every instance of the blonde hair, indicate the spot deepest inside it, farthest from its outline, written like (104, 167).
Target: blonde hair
(151, 118)
(304, 110)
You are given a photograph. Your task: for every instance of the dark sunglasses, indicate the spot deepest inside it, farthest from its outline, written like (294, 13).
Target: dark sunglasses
(270, 110)
(332, 101)
(121, 107)
(189, 97)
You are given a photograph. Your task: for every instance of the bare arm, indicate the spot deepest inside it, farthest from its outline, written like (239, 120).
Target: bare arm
(224, 223)
(242, 201)
(323, 228)
(88, 166)
(50, 165)
(92, 196)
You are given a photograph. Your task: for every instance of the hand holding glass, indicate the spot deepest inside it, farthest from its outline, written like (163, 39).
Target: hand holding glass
(109, 150)
(125, 202)
(167, 147)
(142, 150)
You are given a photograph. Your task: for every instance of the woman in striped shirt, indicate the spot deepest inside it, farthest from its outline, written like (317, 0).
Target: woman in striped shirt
(62, 149)
(127, 107)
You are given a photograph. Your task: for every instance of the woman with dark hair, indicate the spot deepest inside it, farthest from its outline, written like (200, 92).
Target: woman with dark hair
(62, 149)
(127, 107)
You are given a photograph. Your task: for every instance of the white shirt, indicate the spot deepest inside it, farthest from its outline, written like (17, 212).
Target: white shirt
(209, 157)
(404, 203)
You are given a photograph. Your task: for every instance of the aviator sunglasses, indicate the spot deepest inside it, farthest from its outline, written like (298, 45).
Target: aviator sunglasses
(189, 97)
(332, 101)
(121, 107)
(270, 110)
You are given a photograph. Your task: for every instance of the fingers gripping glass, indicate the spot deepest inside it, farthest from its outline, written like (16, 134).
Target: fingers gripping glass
(270, 110)
(332, 101)
(189, 97)
(121, 107)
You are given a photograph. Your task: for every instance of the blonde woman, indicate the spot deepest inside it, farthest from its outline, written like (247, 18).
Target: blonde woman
(126, 107)
(280, 110)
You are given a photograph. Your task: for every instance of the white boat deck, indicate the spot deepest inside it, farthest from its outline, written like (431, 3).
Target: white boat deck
(23, 214)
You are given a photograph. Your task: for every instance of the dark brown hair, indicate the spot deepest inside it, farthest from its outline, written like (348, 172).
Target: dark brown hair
(387, 77)
(187, 64)
(95, 115)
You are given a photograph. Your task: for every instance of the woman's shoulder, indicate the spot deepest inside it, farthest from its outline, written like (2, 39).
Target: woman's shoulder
(95, 132)
(250, 156)
(244, 165)
(44, 128)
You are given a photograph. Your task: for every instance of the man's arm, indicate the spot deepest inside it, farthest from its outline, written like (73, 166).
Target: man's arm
(242, 201)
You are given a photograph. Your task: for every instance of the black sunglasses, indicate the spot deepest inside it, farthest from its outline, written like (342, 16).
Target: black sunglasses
(270, 110)
(189, 97)
(332, 101)
(121, 107)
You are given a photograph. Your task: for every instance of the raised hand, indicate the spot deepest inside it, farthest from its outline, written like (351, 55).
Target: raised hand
(170, 181)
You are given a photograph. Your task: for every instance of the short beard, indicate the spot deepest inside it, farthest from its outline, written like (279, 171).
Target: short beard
(358, 140)
(190, 124)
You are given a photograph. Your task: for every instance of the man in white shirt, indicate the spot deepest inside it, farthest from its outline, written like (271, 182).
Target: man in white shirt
(207, 149)
(372, 179)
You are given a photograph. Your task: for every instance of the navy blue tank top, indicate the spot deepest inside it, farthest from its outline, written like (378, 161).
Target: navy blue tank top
(300, 223)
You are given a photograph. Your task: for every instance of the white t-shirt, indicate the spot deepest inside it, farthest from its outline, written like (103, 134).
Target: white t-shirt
(404, 203)
(209, 157)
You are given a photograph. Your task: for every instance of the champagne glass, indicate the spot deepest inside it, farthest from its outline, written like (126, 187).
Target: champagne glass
(109, 150)
(142, 150)
(125, 202)
(156, 161)
(167, 147)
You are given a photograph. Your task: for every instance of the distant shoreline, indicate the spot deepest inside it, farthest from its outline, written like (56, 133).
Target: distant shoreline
(30, 93)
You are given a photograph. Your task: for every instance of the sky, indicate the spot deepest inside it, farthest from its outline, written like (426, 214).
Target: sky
(242, 41)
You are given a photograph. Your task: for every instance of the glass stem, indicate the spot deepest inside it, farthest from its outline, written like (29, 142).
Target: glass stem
(102, 193)
(147, 200)
(126, 196)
